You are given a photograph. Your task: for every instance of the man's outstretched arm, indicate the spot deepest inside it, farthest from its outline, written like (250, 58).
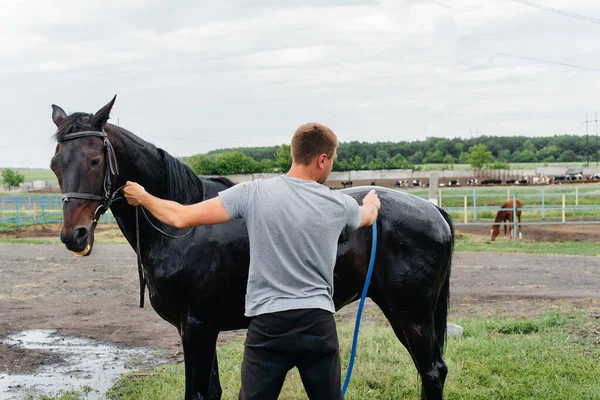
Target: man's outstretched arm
(208, 212)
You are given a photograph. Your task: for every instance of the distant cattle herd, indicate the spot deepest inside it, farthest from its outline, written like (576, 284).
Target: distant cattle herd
(524, 180)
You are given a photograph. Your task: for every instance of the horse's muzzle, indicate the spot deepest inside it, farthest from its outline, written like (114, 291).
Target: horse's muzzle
(78, 240)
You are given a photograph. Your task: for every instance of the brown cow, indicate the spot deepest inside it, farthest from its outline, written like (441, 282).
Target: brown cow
(506, 214)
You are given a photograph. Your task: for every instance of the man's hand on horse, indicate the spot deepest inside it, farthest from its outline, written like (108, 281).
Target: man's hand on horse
(134, 193)
(372, 198)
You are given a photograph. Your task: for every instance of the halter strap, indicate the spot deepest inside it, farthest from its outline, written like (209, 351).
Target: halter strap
(107, 196)
(83, 134)
(86, 196)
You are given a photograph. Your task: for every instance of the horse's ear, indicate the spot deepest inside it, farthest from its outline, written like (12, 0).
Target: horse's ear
(58, 115)
(99, 119)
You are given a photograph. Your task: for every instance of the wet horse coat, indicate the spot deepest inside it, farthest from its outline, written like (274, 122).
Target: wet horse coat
(198, 283)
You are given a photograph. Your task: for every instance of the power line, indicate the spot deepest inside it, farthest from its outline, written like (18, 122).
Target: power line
(562, 12)
(439, 3)
(562, 64)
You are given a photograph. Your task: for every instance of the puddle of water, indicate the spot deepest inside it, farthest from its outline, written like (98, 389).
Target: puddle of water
(86, 363)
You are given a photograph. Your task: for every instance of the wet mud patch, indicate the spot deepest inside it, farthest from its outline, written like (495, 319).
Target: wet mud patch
(65, 363)
(21, 361)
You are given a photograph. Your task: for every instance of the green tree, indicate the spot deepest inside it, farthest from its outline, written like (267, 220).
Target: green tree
(567, 156)
(266, 165)
(235, 162)
(375, 165)
(449, 161)
(398, 162)
(202, 164)
(357, 164)
(525, 156)
(283, 157)
(417, 157)
(435, 157)
(504, 155)
(548, 153)
(479, 156)
(11, 177)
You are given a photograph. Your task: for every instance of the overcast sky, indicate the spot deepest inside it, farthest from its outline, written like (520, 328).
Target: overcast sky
(192, 76)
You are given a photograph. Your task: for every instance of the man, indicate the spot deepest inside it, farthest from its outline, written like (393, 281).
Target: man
(294, 223)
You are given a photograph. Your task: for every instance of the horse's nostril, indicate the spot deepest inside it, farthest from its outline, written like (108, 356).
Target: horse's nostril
(80, 235)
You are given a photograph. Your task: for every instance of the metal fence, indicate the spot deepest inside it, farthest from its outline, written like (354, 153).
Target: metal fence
(550, 205)
(35, 209)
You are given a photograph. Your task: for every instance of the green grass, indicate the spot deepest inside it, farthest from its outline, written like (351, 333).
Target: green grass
(39, 175)
(465, 242)
(553, 356)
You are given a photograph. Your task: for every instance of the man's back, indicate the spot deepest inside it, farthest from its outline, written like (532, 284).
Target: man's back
(293, 225)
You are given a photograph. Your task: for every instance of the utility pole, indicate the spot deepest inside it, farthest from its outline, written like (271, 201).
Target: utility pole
(596, 121)
(587, 142)
(587, 139)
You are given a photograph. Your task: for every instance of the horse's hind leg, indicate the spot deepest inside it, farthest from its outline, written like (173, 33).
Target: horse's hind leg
(418, 336)
(201, 368)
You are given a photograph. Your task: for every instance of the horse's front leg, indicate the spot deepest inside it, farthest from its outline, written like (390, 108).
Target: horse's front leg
(199, 341)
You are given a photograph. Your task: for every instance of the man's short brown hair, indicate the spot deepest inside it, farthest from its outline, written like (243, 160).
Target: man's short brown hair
(311, 140)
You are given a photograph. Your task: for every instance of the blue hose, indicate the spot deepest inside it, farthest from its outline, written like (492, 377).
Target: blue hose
(360, 308)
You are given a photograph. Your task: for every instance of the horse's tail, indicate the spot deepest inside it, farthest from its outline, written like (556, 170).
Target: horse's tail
(441, 311)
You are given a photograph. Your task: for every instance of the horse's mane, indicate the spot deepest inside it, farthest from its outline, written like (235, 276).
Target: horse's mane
(75, 122)
(221, 179)
(182, 185)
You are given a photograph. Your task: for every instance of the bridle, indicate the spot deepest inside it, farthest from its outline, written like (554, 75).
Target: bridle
(112, 171)
(108, 197)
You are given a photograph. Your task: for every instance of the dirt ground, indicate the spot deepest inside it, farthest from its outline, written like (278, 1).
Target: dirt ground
(543, 233)
(46, 287)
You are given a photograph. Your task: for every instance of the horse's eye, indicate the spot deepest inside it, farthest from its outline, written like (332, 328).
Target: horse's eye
(95, 162)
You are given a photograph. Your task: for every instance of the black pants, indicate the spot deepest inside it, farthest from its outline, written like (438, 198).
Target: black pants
(277, 342)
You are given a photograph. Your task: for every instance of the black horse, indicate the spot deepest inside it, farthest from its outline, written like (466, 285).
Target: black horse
(198, 283)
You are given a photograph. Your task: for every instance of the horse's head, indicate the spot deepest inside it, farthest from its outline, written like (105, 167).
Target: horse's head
(495, 232)
(84, 166)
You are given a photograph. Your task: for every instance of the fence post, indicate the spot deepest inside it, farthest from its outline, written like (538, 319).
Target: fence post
(563, 208)
(543, 202)
(34, 210)
(440, 193)
(515, 226)
(3, 208)
(466, 219)
(433, 190)
(474, 205)
(17, 211)
(508, 194)
(576, 196)
(43, 210)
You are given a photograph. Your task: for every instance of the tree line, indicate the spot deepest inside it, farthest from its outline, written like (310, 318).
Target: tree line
(483, 151)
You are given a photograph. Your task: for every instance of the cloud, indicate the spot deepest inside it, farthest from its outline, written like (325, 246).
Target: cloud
(193, 76)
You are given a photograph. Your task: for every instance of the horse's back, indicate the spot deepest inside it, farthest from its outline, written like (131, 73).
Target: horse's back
(406, 213)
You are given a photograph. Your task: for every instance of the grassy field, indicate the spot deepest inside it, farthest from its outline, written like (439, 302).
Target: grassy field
(553, 356)
(466, 242)
(40, 174)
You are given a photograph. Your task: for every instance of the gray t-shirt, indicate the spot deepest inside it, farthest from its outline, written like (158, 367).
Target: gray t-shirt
(294, 226)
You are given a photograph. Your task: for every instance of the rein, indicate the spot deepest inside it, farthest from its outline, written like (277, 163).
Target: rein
(108, 198)
(138, 252)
